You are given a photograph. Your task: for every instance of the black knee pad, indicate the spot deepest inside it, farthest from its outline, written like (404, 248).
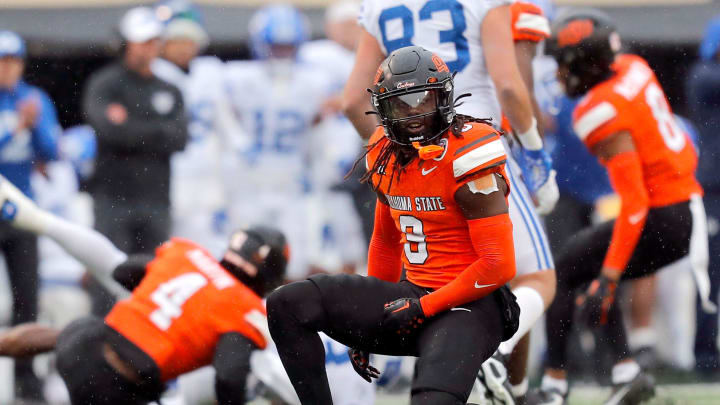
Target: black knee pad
(435, 398)
(78, 340)
(297, 302)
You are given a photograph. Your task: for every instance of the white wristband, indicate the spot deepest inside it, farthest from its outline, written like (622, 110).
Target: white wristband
(530, 139)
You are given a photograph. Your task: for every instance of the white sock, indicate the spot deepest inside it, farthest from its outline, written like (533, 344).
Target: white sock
(532, 307)
(86, 245)
(559, 384)
(90, 248)
(625, 372)
(520, 389)
(639, 338)
(20, 210)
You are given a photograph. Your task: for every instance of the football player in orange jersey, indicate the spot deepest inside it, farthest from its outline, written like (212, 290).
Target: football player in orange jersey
(442, 215)
(473, 38)
(186, 310)
(625, 120)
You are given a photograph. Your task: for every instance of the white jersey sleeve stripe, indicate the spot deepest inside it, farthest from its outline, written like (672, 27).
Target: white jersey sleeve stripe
(593, 119)
(478, 157)
(534, 22)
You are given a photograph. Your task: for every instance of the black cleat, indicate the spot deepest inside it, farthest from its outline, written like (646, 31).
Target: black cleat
(639, 389)
(494, 377)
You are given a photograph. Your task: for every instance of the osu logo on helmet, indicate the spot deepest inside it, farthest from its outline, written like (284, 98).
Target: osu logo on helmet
(575, 32)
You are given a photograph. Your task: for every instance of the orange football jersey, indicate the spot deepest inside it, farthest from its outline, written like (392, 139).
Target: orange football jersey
(632, 100)
(528, 22)
(185, 302)
(435, 237)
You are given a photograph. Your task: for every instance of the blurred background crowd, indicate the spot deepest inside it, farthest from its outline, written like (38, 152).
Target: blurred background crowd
(191, 120)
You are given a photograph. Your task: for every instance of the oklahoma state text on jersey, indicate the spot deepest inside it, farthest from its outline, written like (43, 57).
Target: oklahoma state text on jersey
(633, 101)
(185, 302)
(436, 242)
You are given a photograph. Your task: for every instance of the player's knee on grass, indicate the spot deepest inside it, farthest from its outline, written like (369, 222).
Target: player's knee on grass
(297, 303)
(435, 398)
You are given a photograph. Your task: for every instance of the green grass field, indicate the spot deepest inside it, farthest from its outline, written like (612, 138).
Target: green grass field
(686, 394)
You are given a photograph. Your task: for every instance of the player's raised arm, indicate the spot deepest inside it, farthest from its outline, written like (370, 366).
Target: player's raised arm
(356, 99)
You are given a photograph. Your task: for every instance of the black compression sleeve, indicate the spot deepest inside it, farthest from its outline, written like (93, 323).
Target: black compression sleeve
(232, 366)
(131, 272)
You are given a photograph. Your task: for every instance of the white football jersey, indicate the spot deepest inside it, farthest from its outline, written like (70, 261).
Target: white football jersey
(57, 192)
(276, 104)
(450, 29)
(329, 56)
(196, 188)
(195, 169)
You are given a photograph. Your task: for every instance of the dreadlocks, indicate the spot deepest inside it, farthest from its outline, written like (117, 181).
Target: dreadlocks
(390, 149)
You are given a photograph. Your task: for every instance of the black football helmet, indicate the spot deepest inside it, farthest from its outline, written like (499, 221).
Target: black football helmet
(413, 95)
(584, 43)
(257, 256)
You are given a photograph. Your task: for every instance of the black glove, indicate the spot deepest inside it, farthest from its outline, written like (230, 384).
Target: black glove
(360, 361)
(594, 304)
(403, 316)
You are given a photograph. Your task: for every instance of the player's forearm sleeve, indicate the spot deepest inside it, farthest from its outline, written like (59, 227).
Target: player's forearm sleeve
(384, 253)
(626, 176)
(492, 240)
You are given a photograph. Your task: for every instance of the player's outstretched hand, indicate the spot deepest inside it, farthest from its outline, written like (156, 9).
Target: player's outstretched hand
(547, 195)
(539, 176)
(595, 303)
(403, 316)
(360, 361)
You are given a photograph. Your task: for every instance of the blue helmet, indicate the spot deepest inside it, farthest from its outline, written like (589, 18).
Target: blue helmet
(11, 44)
(277, 25)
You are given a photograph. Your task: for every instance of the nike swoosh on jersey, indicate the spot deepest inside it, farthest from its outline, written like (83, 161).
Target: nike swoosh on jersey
(424, 172)
(406, 306)
(483, 285)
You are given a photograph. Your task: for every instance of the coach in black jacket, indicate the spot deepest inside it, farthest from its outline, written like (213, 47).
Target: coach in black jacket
(139, 120)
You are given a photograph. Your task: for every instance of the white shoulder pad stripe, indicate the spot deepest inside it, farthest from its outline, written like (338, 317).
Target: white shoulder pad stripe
(477, 157)
(593, 119)
(534, 22)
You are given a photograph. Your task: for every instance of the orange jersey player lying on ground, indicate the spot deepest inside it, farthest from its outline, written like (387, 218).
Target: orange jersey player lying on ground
(442, 214)
(186, 310)
(625, 120)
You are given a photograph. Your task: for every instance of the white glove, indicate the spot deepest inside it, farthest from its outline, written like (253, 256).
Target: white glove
(547, 195)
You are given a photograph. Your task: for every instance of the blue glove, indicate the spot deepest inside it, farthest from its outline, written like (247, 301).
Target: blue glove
(536, 166)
